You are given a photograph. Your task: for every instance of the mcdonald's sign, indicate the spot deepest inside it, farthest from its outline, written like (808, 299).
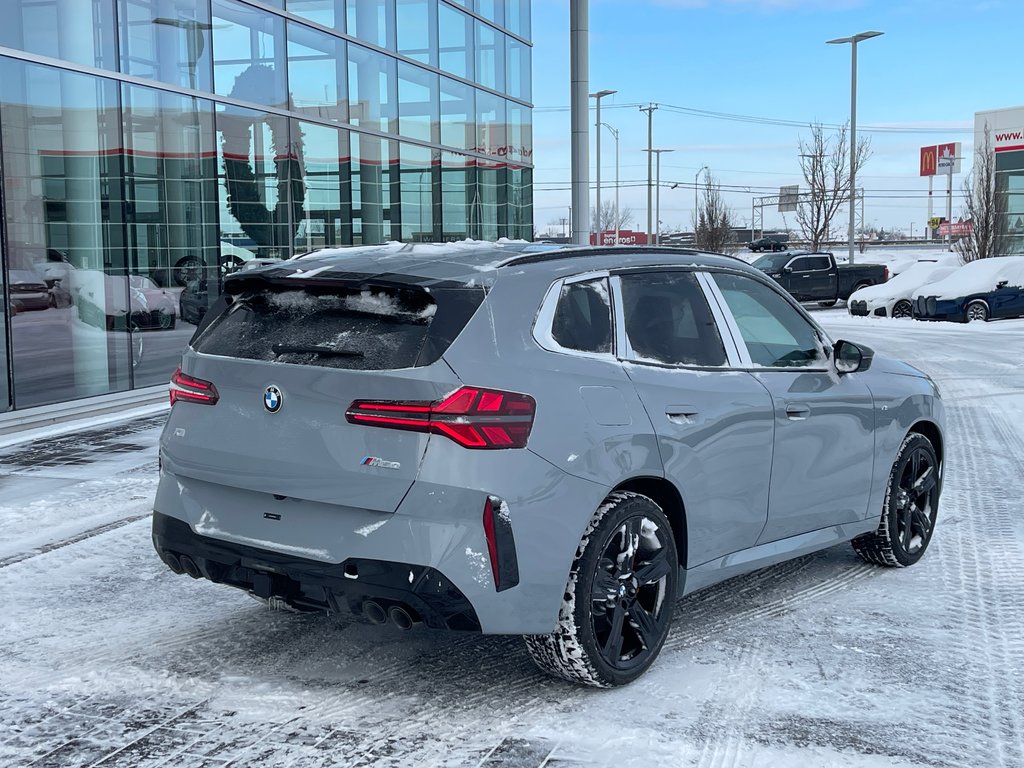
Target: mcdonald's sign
(929, 161)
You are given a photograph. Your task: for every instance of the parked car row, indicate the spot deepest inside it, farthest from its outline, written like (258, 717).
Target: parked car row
(941, 289)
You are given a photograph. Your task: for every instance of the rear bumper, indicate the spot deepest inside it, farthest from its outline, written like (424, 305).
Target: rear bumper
(342, 587)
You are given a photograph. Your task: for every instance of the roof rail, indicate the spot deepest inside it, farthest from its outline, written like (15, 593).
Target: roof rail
(605, 250)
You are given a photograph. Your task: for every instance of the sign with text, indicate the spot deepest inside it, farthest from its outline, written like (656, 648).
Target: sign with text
(949, 158)
(929, 161)
(626, 237)
(955, 228)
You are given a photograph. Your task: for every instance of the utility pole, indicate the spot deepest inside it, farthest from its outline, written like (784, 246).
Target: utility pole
(657, 204)
(649, 109)
(579, 56)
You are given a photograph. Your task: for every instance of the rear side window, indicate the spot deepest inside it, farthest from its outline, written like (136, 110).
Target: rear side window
(583, 317)
(367, 329)
(668, 320)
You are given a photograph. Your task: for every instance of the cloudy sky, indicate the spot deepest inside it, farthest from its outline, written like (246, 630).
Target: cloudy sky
(763, 68)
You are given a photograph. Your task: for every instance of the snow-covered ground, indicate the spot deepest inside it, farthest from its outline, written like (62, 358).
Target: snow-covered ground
(108, 658)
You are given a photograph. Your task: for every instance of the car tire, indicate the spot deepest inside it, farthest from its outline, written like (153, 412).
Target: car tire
(188, 268)
(902, 308)
(858, 286)
(611, 639)
(828, 304)
(910, 508)
(977, 311)
(165, 320)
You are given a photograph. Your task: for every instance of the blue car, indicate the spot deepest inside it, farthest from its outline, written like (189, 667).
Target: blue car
(987, 289)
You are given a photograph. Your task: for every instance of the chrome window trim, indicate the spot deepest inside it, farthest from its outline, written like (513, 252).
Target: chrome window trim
(737, 353)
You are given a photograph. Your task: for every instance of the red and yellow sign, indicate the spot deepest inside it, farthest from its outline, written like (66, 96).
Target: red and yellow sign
(929, 161)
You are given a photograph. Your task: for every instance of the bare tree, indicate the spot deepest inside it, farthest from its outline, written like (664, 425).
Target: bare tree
(713, 225)
(825, 164)
(609, 222)
(984, 207)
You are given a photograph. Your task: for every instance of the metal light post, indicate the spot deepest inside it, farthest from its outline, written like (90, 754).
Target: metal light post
(657, 194)
(597, 129)
(618, 223)
(695, 177)
(860, 36)
(579, 66)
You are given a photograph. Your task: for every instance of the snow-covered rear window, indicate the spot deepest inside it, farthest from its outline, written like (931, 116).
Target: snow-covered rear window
(362, 329)
(583, 319)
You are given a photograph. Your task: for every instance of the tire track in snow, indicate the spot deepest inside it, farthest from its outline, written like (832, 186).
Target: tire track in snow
(716, 614)
(980, 572)
(724, 746)
(76, 539)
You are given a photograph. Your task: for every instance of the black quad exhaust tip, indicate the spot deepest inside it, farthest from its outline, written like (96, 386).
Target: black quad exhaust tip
(171, 561)
(401, 618)
(188, 565)
(374, 612)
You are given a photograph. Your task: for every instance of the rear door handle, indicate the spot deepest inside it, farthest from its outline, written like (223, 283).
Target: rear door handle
(797, 411)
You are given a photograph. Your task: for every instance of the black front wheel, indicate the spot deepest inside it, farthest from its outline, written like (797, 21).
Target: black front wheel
(910, 508)
(902, 308)
(619, 600)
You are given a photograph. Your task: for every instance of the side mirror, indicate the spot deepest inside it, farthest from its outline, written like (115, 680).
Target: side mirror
(851, 358)
(787, 270)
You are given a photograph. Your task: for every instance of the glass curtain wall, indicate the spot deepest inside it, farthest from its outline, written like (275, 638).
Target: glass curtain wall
(1010, 185)
(265, 133)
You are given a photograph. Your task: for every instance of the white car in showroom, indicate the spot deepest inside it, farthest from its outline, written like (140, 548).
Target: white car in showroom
(894, 298)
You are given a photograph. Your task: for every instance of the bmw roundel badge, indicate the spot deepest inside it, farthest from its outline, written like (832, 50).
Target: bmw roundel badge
(273, 399)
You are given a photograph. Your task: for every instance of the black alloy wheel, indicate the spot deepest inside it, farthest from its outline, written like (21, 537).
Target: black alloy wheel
(903, 308)
(977, 312)
(628, 616)
(620, 597)
(910, 509)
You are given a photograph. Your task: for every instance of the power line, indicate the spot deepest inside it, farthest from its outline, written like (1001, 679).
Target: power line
(771, 121)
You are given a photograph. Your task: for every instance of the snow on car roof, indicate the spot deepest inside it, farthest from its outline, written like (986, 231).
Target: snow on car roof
(918, 274)
(977, 277)
(467, 262)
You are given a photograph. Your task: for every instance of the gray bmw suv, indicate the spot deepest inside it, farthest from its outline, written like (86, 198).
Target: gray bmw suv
(510, 439)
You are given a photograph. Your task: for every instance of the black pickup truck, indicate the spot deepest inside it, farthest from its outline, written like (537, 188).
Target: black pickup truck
(817, 277)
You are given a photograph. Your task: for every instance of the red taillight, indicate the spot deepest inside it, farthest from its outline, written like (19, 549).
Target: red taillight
(189, 389)
(472, 417)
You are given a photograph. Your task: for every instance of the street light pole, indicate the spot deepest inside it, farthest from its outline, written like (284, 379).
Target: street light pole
(657, 194)
(695, 177)
(618, 223)
(597, 128)
(859, 37)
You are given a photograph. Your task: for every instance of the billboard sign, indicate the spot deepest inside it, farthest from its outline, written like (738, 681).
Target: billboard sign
(949, 158)
(626, 237)
(957, 228)
(788, 198)
(929, 161)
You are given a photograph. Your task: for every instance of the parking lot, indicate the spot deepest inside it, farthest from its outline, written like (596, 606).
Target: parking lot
(109, 659)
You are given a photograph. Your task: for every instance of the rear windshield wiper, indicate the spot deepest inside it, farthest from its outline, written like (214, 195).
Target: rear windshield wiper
(283, 349)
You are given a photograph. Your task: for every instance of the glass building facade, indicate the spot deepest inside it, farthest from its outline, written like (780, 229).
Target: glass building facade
(148, 147)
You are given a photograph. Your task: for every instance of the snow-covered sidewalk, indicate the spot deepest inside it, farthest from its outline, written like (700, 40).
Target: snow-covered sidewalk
(108, 658)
